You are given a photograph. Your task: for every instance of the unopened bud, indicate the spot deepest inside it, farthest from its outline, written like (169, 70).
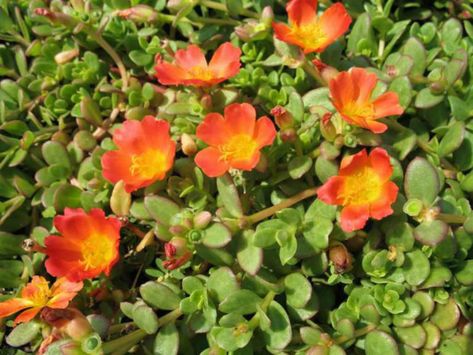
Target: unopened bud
(206, 102)
(437, 87)
(176, 252)
(267, 16)
(282, 117)
(327, 128)
(120, 201)
(262, 165)
(340, 257)
(326, 71)
(66, 56)
(139, 13)
(202, 219)
(177, 5)
(188, 145)
(288, 135)
(177, 230)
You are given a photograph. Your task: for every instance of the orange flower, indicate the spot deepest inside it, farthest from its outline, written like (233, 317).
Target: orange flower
(37, 295)
(190, 66)
(87, 246)
(145, 153)
(234, 141)
(351, 95)
(362, 187)
(307, 30)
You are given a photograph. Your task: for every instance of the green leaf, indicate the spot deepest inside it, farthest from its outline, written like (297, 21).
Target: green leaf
(288, 249)
(159, 295)
(234, 7)
(317, 232)
(11, 244)
(465, 274)
(452, 139)
(240, 302)
(216, 236)
(446, 316)
(167, 340)
(426, 99)
(161, 209)
(416, 267)
(318, 97)
(378, 342)
(141, 58)
(298, 290)
(23, 334)
(229, 196)
(362, 32)
(145, 318)
(431, 232)
(416, 50)
(214, 256)
(298, 166)
(267, 231)
(232, 339)
(414, 336)
(278, 335)
(222, 283)
(249, 256)
(54, 153)
(403, 88)
(421, 181)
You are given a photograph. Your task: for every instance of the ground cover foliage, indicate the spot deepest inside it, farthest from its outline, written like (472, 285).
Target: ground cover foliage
(279, 200)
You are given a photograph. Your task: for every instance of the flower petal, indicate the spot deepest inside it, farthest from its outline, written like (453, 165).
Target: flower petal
(364, 83)
(387, 105)
(190, 58)
(13, 305)
(382, 208)
(334, 22)
(354, 217)
(209, 160)
(240, 119)
(246, 164)
(62, 292)
(283, 32)
(330, 191)
(225, 63)
(302, 12)
(375, 126)
(265, 132)
(380, 162)
(116, 167)
(27, 315)
(342, 90)
(353, 163)
(170, 74)
(213, 129)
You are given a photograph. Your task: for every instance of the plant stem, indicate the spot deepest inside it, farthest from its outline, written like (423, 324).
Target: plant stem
(358, 333)
(123, 344)
(313, 72)
(451, 218)
(222, 7)
(268, 212)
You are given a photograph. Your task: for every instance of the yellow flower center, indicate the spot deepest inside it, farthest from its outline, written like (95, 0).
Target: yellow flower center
(355, 110)
(97, 252)
(148, 165)
(312, 36)
(239, 147)
(41, 295)
(361, 188)
(201, 73)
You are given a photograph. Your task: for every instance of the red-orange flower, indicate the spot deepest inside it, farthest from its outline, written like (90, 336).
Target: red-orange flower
(351, 95)
(145, 153)
(190, 66)
(37, 295)
(87, 246)
(234, 141)
(307, 30)
(362, 187)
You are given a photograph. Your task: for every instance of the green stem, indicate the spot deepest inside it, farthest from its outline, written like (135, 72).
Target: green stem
(215, 21)
(254, 321)
(268, 212)
(170, 317)
(313, 72)
(222, 7)
(451, 218)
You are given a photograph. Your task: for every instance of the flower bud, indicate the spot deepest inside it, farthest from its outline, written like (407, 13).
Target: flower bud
(176, 252)
(120, 201)
(327, 72)
(177, 5)
(267, 16)
(188, 145)
(66, 56)
(340, 257)
(282, 117)
(288, 135)
(262, 165)
(327, 128)
(139, 13)
(68, 322)
(202, 219)
(206, 102)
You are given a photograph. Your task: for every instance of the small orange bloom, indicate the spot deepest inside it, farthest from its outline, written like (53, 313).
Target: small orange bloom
(351, 95)
(190, 66)
(307, 30)
(145, 153)
(234, 141)
(362, 187)
(37, 295)
(87, 246)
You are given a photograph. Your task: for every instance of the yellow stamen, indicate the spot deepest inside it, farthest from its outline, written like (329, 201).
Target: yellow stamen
(201, 73)
(311, 36)
(361, 188)
(239, 147)
(148, 165)
(97, 251)
(359, 111)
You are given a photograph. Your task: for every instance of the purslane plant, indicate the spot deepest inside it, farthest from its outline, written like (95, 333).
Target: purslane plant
(211, 177)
